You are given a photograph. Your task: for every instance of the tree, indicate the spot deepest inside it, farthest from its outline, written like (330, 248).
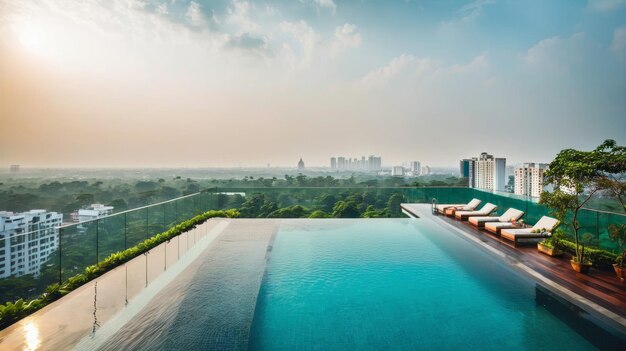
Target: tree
(346, 209)
(576, 177)
(393, 204)
(319, 214)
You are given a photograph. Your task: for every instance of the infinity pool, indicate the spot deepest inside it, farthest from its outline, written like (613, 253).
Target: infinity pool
(398, 284)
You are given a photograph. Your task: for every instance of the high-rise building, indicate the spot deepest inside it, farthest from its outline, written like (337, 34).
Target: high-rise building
(28, 239)
(416, 168)
(529, 179)
(371, 163)
(425, 170)
(488, 172)
(464, 167)
(300, 165)
(341, 162)
(14, 169)
(397, 171)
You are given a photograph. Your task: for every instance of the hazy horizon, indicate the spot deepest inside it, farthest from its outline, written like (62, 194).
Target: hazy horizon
(162, 83)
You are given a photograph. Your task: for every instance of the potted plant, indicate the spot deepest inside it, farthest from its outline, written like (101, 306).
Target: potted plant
(617, 232)
(551, 246)
(576, 176)
(579, 262)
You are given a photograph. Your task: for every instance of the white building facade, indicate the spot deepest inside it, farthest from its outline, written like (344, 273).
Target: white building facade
(529, 179)
(27, 240)
(489, 172)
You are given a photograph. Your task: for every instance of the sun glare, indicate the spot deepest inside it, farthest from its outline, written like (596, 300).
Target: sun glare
(31, 36)
(31, 335)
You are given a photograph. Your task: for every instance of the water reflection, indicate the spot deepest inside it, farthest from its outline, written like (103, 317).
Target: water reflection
(31, 335)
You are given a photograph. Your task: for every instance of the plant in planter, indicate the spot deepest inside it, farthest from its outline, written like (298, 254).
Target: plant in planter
(617, 232)
(576, 177)
(580, 263)
(551, 245)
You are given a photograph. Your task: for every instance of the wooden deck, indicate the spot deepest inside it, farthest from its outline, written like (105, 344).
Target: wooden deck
(599, 286)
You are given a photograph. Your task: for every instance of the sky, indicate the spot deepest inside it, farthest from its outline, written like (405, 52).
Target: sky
(178, 83)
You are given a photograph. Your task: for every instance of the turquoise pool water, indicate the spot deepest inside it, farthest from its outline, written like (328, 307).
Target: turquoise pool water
(396, 284)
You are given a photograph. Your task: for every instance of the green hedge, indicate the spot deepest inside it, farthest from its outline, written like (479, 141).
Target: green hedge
(600, 258)
(11, 312)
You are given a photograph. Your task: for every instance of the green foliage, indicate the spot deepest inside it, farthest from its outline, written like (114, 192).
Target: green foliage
(11, 312)
(600, 258)
(319, 214)
(617, 233)
(295, 211)
(346, 209)
(583, 173)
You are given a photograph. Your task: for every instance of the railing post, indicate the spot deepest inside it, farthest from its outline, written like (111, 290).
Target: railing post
(60, 258)
(125, 231)
(97, 239)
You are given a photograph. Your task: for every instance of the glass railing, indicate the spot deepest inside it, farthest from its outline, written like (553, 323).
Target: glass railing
(593, 230)
(66, 251)
(47, 256)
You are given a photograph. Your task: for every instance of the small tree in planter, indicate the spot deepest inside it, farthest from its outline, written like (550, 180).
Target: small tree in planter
(576, 177)
(617, 233)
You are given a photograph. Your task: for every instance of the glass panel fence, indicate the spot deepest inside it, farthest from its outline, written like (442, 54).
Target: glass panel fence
(63, 252)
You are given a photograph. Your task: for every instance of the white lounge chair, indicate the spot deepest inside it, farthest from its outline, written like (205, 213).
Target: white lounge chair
(547, 223)
(485, 211)
(496, 227)
(505, 218)
(449, 209)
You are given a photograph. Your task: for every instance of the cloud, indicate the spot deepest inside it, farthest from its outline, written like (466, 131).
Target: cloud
(556, 52)
(424, 69)
(383, 75)
(327, 4)
(605, 5)
(305, 35)
(346, 36)
(162, 9)
(478, 63)
(239, 15)
(618, 45)
(248, 41)
(195, 15)
(474, 8)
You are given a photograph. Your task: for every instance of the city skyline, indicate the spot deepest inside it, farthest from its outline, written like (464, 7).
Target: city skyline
(222, 83)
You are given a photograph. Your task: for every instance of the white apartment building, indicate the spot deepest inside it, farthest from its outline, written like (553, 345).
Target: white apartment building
(94, 211)
(397, 171)
(489, 172)
(529, 179)
(26, 241)
(425, 170)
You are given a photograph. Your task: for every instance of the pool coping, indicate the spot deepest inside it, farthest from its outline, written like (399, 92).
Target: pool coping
(607, 317)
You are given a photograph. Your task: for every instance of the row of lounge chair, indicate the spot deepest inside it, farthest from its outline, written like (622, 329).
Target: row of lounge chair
(505, 225)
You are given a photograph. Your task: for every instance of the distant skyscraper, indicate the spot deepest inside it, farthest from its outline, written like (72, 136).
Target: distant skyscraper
(300, 164)
(488, 172)
(529, 179)
(425, 170)
(14, 169)
(341, 162)
(416, 167)
(371, 163)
